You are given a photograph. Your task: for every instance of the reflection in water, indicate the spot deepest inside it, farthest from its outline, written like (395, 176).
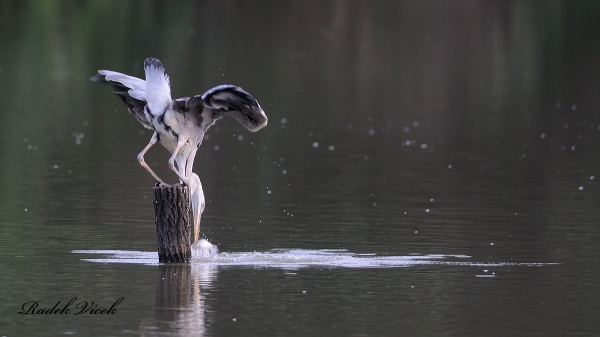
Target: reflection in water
(180, 305)
(173, 296)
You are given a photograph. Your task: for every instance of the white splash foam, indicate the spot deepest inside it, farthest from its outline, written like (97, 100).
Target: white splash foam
(300, 258)
(203, 249)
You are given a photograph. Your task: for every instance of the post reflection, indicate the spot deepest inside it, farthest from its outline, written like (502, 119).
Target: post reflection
(180, 306)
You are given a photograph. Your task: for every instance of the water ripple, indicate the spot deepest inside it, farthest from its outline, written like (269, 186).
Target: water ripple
(298, 258)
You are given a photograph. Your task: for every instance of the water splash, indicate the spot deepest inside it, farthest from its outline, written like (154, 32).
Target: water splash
(300, 258)
(203, 249)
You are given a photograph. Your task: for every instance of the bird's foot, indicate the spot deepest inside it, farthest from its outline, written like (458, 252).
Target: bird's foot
(162, 184)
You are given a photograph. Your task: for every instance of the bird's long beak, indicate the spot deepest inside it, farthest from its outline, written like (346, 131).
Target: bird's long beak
(195, 231)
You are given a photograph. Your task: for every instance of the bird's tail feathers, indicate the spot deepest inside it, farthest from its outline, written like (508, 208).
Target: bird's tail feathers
(158, 91)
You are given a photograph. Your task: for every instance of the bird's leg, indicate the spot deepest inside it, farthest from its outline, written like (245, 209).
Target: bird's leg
(180, 142)
(142, 162)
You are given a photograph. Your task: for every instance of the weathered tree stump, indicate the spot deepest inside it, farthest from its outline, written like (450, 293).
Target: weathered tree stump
(172, 217)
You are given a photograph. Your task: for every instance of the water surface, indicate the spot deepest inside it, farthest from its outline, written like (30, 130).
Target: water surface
(428, 169)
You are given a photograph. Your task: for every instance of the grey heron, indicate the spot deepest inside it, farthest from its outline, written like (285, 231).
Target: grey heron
(180, 124)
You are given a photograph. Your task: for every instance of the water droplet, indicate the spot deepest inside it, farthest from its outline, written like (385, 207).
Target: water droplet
(216, 147)
(331, 147)
(581, 188)
(283, 120)
(543, 136)
(315, 145)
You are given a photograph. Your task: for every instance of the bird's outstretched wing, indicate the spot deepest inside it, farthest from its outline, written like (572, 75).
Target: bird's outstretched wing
(131, 90)
(233, 101)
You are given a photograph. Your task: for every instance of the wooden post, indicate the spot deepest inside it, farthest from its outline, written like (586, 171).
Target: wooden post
(172, 217)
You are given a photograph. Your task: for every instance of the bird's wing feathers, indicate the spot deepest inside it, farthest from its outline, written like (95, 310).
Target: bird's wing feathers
(233, 101)
(158, 90)
(137, 86)
(131, 90)
(156, 94)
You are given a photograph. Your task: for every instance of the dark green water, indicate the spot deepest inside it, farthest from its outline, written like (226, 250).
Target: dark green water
(401, 129)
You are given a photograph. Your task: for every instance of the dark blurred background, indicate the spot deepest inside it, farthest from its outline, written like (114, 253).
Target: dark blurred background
(476, 104)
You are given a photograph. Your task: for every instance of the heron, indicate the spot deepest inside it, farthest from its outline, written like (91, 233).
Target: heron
(180, 124)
